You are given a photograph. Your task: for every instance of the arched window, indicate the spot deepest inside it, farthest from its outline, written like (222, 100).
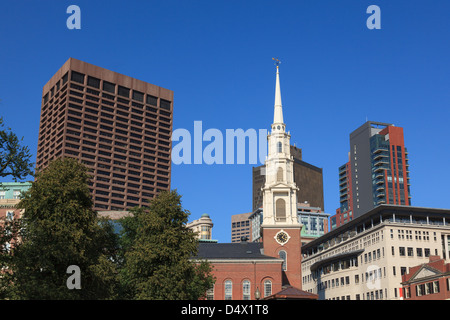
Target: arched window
(283, 255)
(228, 290)
(280, 207)
(280, 174)
(210, 293)
(246, 290)
(267, 288)
(279, 147)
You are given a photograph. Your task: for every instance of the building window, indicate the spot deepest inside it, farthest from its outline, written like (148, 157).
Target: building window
(279, 147)
(77, 77)
(283, 256)
(124, 92)
(410, 252)
(9, 215)
(407, 292)
(152, 100)
(210, 293)
(280, 175)
(246, 290)
(139, 96)
(164, 104)
(280, 207)
(16, 194)
(420, 288)
(228, 290)
(419, 252)
(110, 87)
(2, 194)
(267, 288)
(402, 270)
(93, 82)
(65, 77)
(436, 287)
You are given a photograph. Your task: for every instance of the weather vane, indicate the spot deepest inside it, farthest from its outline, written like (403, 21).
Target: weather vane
(277, 61)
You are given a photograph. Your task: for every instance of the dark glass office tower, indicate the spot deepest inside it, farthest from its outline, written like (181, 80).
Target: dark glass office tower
(379, 167)
(377, 171)
(120, 127)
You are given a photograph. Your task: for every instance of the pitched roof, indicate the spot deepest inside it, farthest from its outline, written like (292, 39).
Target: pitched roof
(241, 250)
(290, 292)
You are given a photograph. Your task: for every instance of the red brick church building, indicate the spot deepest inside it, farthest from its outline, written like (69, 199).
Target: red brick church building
(270, 269)
(428, 281)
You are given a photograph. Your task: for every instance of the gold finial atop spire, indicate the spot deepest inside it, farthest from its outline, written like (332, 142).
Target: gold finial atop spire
(277, 61)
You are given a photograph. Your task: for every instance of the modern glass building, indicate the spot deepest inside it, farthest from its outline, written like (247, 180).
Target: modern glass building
(379, 166)
(377, 172)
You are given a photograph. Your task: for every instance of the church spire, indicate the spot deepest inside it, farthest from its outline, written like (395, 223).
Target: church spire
(278, 109)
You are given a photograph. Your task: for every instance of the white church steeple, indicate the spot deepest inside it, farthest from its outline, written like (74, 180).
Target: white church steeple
(280, 228)
(279, 191)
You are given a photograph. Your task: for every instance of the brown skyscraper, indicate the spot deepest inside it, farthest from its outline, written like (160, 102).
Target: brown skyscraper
(308, 178)
(118, 126)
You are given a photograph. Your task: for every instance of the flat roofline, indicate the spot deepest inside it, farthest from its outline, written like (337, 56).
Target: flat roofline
(374, 212)
(369, 124)
(376, 123)
(16, 183)
(107, 75)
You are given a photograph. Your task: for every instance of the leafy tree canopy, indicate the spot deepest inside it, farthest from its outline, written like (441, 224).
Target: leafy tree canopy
(158, 248)
(14, 158)
(60, 229)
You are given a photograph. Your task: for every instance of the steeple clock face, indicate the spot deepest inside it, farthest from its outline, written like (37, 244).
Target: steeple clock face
(282, 237)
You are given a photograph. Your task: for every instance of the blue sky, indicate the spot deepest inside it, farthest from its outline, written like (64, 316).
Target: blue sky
(217, 58)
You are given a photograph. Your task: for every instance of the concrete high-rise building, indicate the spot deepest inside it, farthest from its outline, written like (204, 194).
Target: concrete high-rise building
(366, 258)
(345, 211)
(241, 228)
(377, 172)
(120, 127)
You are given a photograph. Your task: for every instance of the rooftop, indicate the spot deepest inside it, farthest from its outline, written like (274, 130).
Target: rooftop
(240, 250)
(292, 293)
(383, 213)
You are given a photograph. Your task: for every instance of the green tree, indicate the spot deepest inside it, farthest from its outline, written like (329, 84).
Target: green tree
(157, 250)
(58, 229)
(14, 158)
